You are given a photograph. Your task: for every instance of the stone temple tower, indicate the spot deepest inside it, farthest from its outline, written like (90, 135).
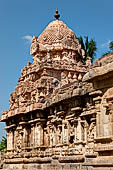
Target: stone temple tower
(42, 122)
(57, 56)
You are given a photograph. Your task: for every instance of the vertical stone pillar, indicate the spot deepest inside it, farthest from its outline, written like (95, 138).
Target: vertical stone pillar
(39, 134)
(19, 138)
(54, 136)
(14, 138)
(46, 137)
(85, 132)
(59, 134)
(100, 125)
(75, 132)
(80, 131)
(99, 118)
(25, 134)
(97, 125)
(32, 143)
(65, 132)
(51, 137)
(10, 140)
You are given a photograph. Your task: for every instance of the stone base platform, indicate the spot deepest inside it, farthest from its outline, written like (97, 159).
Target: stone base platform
(43, 167)
(59, 163)
(61, 166)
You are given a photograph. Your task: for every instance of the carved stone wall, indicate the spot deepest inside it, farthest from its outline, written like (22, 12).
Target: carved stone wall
(61, 112)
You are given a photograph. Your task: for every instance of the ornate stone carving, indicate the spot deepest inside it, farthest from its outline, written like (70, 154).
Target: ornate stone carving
(34, 46)
(59, 113)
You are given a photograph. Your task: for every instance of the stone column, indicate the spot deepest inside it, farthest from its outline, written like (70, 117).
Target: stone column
(85, 132)
(65, 133)
(100, 125)
(97, 124)
(80, 131)
(25, 136)
(75, 132)
(99, 119)
(46, 137)
(54, 136)
(51, 137)
(18, 138)
(32, 141)
(10, 140)
(59, 134)
(39, 136)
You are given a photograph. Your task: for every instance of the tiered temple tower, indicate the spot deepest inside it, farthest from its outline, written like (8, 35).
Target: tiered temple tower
(59, 115)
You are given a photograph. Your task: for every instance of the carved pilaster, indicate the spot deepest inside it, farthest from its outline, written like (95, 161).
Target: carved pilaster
(39, 134)
(10, 140)
(65, 132)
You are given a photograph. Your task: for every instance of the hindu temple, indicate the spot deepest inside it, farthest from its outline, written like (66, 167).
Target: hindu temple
(61, 111)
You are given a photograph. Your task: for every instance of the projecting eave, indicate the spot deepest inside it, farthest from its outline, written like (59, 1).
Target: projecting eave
(99, 73)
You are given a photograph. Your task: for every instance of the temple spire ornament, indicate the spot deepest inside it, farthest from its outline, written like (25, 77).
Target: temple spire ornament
(57, 15)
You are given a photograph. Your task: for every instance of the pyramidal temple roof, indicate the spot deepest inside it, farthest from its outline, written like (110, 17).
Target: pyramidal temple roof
(58, 32)
(56, 36)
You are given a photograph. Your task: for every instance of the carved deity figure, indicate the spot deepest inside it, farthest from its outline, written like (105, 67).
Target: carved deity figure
(66, 134)
(59, 135)
(64, 56)
(56, 57)
(64, 79)
(34, 46)
(91, 131)
(48, 57)
(18, 143)
(10, 141)
(25, 137)
(51, 137)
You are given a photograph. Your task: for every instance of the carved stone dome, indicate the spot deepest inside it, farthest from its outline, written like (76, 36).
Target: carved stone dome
(58, 35)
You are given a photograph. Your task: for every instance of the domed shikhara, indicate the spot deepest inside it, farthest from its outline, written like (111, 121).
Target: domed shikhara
(57, 34)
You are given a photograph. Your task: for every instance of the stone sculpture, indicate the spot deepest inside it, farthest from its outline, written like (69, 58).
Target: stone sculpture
(61, 112)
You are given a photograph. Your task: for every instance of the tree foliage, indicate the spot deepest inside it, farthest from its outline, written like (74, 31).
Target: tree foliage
(3, 144)
(111, 46)
(89, 47)
(110, 49)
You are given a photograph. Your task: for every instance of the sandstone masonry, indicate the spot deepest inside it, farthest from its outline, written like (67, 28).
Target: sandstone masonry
(61, 112)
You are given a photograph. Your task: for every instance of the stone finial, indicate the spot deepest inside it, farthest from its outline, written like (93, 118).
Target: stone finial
(57, 15)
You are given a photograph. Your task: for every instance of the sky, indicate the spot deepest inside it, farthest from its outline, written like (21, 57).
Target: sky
(21, 19)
